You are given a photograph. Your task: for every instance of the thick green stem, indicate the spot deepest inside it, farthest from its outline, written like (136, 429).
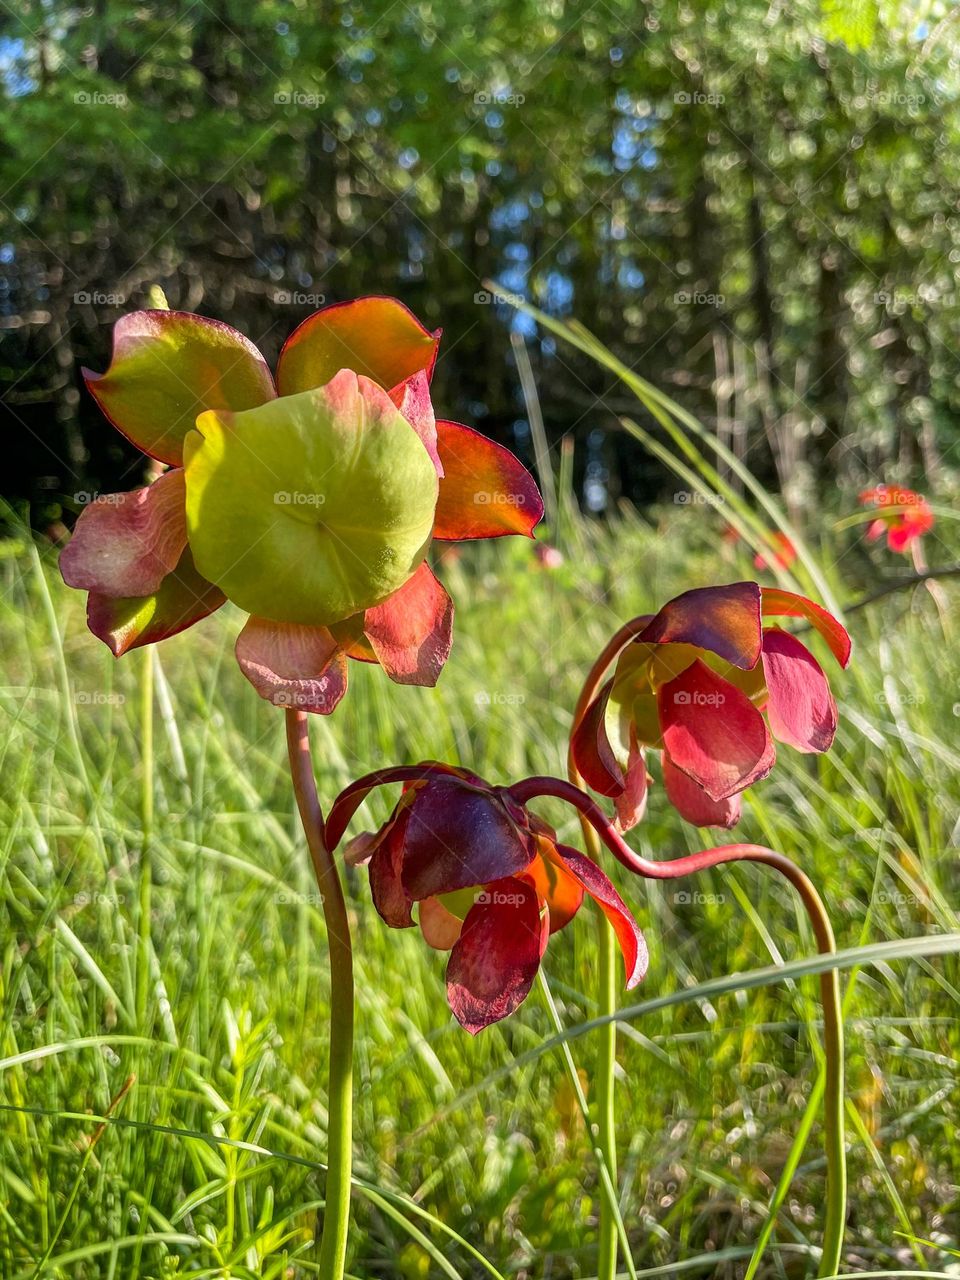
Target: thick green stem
(336, 1215)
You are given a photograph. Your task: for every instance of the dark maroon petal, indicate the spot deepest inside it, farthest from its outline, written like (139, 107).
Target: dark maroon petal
(386, 865)
(459, 835)
(801, 710)
(494, 962)
(596, 884)
(725, 620)
(713, 732)
(591, 751)
(632, 801)
(692, 802)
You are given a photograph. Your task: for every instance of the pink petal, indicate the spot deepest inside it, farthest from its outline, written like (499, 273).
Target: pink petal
(411, 632)
(485, 492)
(632, 802)
(596, 884)
(494, 962)
(125, 544)
(801, 710)
(725, 620)
(292, 665)
(412, 398)
(128, 622)
(692, 802)
(713, 732)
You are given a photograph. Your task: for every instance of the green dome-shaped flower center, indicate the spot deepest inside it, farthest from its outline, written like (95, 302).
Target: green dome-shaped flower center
(312, 507)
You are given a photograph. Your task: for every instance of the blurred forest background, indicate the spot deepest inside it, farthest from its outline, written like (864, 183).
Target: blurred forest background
(753, 204)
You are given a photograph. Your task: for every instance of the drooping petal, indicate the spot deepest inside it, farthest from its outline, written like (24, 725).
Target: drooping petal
(412, 398)
(692, 802)
(168, 366)
(377, 337)
(311, 508)
(458, 835)
(776, 603)
(631, 804)
(440, 927)
(725, 620)
(558, 888)
(125, 544)
(591, 750)
(485, 491)
(495, 960)
(182, 599)
(801, 710)
(412, 631)
(713, 732)
(291, 665)
(596, 884)
(386, 867)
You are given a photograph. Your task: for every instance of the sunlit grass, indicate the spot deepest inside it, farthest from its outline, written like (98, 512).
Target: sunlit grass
(212, 1161)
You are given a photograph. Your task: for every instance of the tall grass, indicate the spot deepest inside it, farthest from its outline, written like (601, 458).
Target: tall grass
(163, 996)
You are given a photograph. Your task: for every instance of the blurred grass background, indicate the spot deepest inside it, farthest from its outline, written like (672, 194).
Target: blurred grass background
(218, 1031)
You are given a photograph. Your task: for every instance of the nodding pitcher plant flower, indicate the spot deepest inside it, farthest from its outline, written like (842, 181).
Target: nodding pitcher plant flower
(707, 684)
(489, 880)
(904, 516)
(311, 502)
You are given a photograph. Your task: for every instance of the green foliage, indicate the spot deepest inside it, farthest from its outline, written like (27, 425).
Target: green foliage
(211, 1163)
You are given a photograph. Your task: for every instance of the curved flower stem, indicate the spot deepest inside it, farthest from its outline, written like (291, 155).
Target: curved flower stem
(336, 1214)
(604, 1082)
(833, 1119)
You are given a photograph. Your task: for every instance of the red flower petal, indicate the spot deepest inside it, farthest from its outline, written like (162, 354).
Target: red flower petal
(375, 336)
(440, 927)
(632, 802)
(692, 802)
(292, 665)
(390, 897)
(168, 366)
(801, 710)
(485, 491)
(725, 620)
(594, 882)
(776, 603)
(713, 732)
(412, 398)
(182, 599)
(458, 836)
(591, 751)
(412, 631)
(558, 888)
(125, 544)
(495, 960)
